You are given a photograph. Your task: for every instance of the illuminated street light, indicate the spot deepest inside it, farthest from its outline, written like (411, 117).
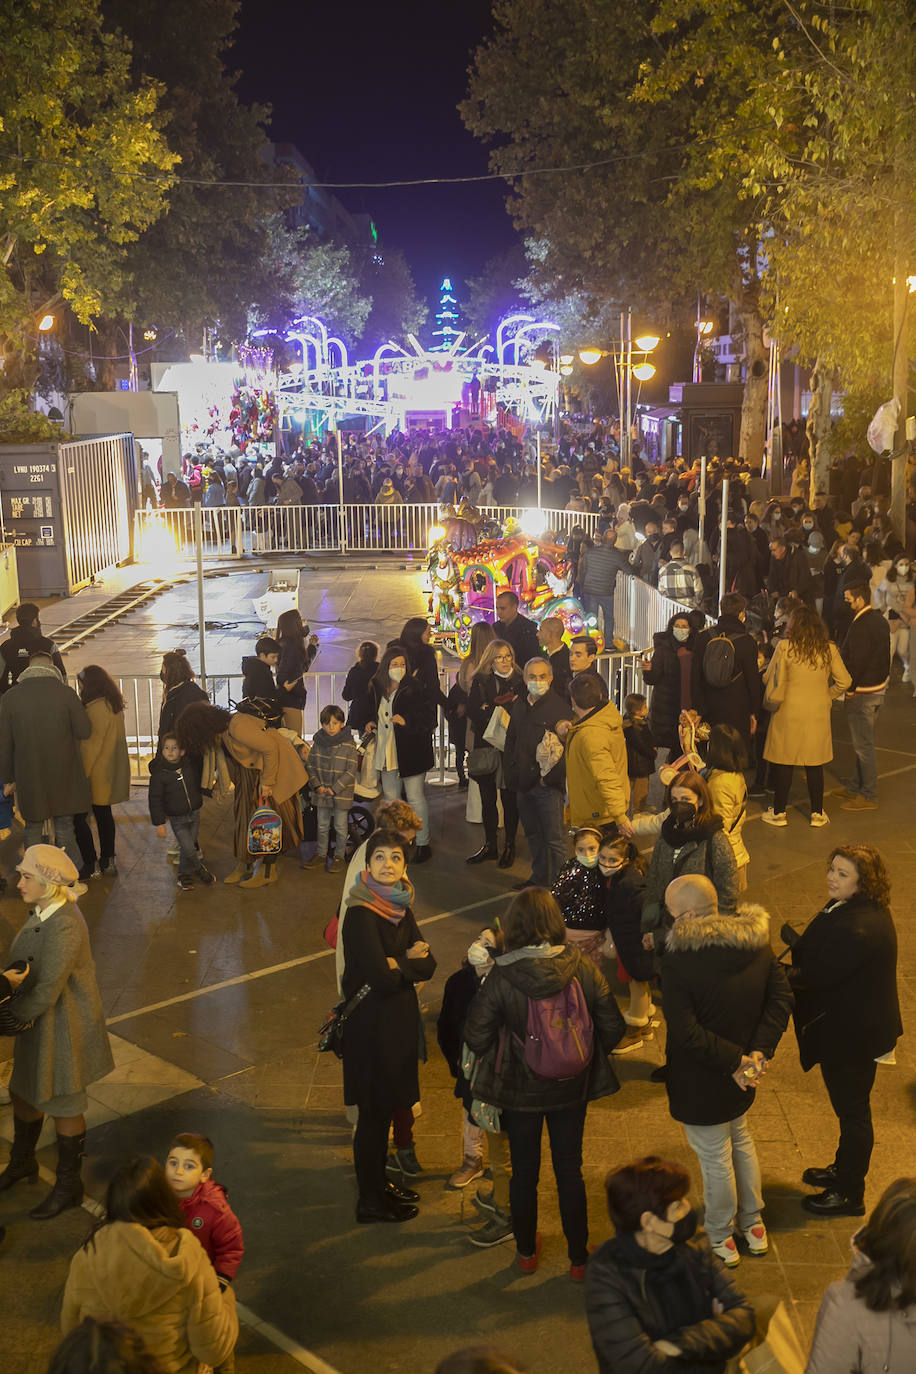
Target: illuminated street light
(647, 342)
(643, 372)
(589, 356)
(567, 359)
(566, 370)
(705, 327)
(151, 335)
(45, 323)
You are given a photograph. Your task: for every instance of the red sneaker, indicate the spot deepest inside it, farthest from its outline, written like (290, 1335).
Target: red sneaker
(577, 1273)
(529, 1263)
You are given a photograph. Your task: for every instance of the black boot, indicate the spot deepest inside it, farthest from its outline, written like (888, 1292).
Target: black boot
(507, 857)
(68, 1187)
(488, 850)
(22, 1162)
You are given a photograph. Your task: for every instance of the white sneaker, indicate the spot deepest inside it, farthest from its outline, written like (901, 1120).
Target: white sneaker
(640, 1022)
(728, 1253)
(755, 1238)
(771, 817)
(906, 675)
(819, 818)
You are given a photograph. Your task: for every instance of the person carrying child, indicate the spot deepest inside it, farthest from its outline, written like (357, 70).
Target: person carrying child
(458, 994)
(175, 796)
(205, 1203)
(641, 748)
(333, 770)
(726, 760)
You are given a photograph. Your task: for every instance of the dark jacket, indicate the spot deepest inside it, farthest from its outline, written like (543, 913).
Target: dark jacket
(414, 739)
(174, 789)
(522, 634)
(621, 901)
(625, 1316)
(356, 691)
(598, 569)
(381, 1038)
(664, 677)
(844, 976)
(459, 992)
(41, 723)
(703, 848)
(176, 699)
(641, 750)
(258, 679)
(743, 696)
(23, 639)
(296, 656)
(499, 1014)
(487, 692)
(725, 995)
(526, 729)
(790, 574)
(562, 674)
(866, 651)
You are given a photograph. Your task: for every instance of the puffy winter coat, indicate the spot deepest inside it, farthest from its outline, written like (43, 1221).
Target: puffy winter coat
(162, 1284)
(596, 768)
(704, 848)
(174, 789)
(499, 1015)
(725, 995)
(208, 1215)
(664, 677)
(176, 699)
(849, 1336)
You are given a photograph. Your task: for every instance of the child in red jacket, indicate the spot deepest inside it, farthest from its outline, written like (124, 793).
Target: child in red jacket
(189, 1169)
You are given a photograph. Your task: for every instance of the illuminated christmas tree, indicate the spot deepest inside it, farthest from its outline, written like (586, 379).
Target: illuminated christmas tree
(447, 317)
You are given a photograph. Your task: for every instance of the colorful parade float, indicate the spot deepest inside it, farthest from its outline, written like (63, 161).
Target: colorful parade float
(472, 559)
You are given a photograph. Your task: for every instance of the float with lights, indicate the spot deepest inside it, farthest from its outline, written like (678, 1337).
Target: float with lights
(472, 560)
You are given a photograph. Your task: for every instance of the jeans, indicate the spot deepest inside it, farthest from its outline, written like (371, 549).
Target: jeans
(487, 787)
(414, 791)
(565, 1128)
(781, 775)
(186, 829)
(849, 1083)
(605, 604)
(540, 811)
(106, 827)
(861, 713)
(323, 827)
(731, 1176)
(64, 836)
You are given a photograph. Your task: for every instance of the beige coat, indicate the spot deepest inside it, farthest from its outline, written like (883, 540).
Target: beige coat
(729, 799)
(252, 744)
(105, 757)
(596, 769)
(163, 1285)
(799, 696)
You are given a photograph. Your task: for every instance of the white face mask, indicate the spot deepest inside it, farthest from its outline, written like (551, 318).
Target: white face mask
(397, 674)
(902, 569)
(537, 688)
(680, 634)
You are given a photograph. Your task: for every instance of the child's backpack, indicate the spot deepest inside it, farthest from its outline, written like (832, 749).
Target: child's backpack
(264, 708)
(719, 662)
(560, 1034)
(265, 832)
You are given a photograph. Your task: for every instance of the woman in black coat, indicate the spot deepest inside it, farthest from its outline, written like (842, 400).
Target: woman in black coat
(402, 712)
(656, 1296)
(385, 955)
(847, 1013)
(539, 965)
(667, 671)
(356, 687)
(497, 682)
(179, 690)
(421, 656)
(623, 885)
(297, 653)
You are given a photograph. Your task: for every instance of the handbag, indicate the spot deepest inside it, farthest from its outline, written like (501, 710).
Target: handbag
(497, 725)
(367, 782)
(483, 760)
(774, 691)
(330, 1035)
(774, 1350)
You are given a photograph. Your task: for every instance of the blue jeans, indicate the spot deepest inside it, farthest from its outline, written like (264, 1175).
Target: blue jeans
(64, 837)
(323, 827)
(414, 791)
(605, 604)
(861, 713)
(186, 829)
(540, 811)
(565, 1128)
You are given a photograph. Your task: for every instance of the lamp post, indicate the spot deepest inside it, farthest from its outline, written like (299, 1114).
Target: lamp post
(704, 329)
(625, 370)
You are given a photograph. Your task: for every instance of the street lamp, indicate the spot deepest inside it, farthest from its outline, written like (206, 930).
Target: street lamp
(625, 370)
(45, 323)
(704, 329)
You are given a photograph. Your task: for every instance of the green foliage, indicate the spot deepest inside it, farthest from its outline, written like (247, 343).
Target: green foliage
(847, 433)
(396, 310)
(20, 425)
(311, 278)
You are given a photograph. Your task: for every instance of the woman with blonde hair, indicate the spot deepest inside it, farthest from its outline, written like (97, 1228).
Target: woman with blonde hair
(496, 685)
(456, 706)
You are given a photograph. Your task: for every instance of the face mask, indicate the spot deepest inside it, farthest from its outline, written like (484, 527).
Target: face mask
(587, 861)
(682, 505)
(807, 524)
(610, 871)
(683, 811)
(396, 674)
(537, 689)
(685, 1227)
(902, 569)
(681, 635)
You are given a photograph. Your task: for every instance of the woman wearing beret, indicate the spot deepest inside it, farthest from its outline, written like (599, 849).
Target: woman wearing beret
(67, 1047)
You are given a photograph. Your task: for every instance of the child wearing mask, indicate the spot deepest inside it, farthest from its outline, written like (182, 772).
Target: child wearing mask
(622, 883)
(578, 894)
(641, 748)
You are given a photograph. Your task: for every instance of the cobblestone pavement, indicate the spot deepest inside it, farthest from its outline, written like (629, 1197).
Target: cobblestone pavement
(214, 998)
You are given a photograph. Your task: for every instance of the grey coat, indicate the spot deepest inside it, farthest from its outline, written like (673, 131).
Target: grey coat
(68, 1047)
(41, 723)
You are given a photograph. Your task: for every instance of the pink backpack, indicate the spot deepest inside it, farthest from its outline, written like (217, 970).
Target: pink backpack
(560, 1035)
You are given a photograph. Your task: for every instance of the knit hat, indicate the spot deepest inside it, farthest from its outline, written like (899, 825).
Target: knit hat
(49, 865)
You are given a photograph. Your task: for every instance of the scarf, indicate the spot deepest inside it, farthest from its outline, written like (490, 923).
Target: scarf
(672, 1281)
(678, 835)
(391, 902)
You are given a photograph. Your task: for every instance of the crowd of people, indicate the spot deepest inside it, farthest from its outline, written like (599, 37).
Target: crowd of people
(529, 1025)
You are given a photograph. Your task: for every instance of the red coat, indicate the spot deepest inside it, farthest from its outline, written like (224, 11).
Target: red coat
(207, 1213)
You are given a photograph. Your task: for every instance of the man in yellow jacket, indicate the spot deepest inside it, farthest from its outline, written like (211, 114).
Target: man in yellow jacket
(596, 758)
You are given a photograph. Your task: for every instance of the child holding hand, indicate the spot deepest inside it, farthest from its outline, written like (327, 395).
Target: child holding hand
(175, 796)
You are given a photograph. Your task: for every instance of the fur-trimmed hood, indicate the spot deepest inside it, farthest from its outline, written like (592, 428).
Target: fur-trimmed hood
(747, 930)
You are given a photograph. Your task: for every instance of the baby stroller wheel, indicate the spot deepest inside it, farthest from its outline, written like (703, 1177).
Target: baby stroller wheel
(360, 825)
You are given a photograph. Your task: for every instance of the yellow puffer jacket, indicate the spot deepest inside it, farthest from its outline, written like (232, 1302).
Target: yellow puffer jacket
(596, 769)
(729, 798)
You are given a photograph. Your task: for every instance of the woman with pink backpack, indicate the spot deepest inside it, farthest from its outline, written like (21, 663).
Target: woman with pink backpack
(543, 1026)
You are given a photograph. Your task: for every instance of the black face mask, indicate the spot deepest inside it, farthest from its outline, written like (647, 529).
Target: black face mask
(685, 1227)
(683, 812)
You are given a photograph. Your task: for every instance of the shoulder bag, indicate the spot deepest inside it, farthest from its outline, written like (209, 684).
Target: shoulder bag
(330, 1035)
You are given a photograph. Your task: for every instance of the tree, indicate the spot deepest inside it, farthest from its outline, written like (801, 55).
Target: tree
(386, 279)
(309, 277)
(498, 291)
(84, 164)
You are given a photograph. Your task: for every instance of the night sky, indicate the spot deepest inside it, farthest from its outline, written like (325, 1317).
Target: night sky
(368, 93)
